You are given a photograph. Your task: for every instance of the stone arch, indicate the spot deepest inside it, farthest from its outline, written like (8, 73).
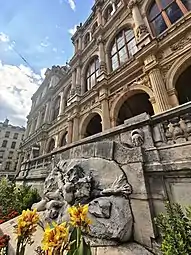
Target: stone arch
(62, 135)
(67, 93)
(50, 145)
(145, 7)
(86, 119)
(176, 69)
(131, 91)
(86, 64)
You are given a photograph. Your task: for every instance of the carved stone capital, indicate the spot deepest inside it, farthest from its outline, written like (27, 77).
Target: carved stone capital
(141, 31)
(132, 4)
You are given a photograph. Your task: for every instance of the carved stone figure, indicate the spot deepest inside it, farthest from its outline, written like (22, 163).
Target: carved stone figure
(137, 137)
(109, 207)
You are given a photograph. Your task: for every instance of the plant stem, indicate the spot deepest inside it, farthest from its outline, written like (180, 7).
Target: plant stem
(78, 236)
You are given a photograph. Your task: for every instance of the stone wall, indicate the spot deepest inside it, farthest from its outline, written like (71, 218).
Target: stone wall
(155, 154)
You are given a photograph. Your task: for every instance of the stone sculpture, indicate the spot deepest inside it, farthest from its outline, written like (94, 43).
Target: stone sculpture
(137, 137)
(109, 207)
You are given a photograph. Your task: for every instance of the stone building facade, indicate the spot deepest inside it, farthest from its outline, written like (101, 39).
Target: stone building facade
(124, 97)
(129, 58)
(11, 138)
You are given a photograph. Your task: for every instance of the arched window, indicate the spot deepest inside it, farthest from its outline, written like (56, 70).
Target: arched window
(87, 39)
(56, 108)
(92, 73)
(51, 145)
(108, 13)
(94, 27)
(64, 139)
(163, 14)
(123, 48)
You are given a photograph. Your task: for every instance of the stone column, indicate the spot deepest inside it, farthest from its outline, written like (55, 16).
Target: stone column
(73, 87)
(47, 112)
(101, 54)
(78, 80)
(108, 61)
(62, 104)
(140, 27)
(83, 84)
(159, 89)
(33, 126)
(80, 43)
(57, 141)
(39, 121)
(113, 6)
(106, 123)
(75, 136)
(70, 131)
(173, 97)
(99, 17)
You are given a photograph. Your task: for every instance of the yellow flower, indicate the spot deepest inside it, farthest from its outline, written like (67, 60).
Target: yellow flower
(55, 237)
(27, 223)
(78, 216)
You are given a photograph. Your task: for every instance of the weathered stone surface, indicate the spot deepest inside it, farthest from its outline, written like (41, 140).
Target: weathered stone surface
(98, 182)
(104, 150)
(110, 226)
(128, 249)
(124, 154)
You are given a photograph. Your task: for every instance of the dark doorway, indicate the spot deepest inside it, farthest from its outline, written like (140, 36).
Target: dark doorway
(183, 86)
(133, 106)
(94, 126)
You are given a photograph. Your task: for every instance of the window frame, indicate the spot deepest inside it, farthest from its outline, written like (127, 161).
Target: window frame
(4, 142)
(13, 147)
(163, 13)
(124, 46)
(95, 62)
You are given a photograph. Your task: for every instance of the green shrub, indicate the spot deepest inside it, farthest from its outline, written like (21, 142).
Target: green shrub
(175, 229)
(16, 198)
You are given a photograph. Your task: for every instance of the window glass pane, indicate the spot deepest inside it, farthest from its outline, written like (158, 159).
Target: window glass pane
(97, 64)
(120, 40)
(93, 81)
(97, 73)
(129, 34)
(132, 47)
(114, 61)
(113, 50)
(165, 3)
(88, 84)
(123, 55)
(174, 13)
(159, 25)
(92, 68)
(154, 11)
(187, 4)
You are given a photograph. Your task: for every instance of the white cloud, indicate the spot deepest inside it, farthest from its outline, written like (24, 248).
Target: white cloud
(54, 49)
(72, 4)
(42, 72)
(4, 38)
(17, 85)
(73, 30)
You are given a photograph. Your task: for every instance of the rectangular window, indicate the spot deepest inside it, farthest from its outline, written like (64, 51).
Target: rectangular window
(7, 166)
(13, 145)
(7, 134)
(1, 154)
(10, 155)
(4, 144)
(15, 136)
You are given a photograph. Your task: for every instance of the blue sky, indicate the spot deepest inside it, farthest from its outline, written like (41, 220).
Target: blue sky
(40, 31)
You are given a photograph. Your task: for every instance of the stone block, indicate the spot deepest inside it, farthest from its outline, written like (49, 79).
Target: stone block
(143, 225)
(65, 154)
(124, 154)
(104, 150)
(128, 249)
(138, 119)
(135, 176)
(88, 150)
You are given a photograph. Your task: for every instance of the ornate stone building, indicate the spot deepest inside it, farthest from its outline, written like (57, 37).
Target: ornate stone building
(131, 57)
(11, 138)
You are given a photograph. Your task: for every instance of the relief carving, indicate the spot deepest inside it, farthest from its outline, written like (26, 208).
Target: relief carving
(137, 137)
(109, 206)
